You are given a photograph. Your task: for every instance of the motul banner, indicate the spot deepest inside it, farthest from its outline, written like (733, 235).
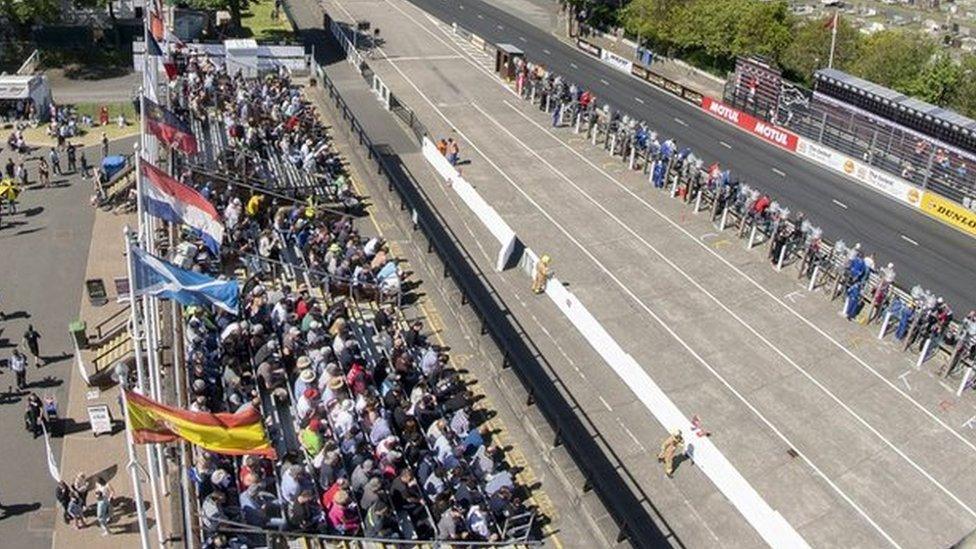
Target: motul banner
(768, 132)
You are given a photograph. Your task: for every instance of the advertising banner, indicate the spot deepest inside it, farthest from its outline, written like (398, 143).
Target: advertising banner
(949, 212)
(620, 63)
(591, 49)
(887, 183)
(764, 130)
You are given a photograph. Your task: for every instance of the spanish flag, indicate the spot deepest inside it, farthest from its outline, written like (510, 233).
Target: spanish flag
(232, 434)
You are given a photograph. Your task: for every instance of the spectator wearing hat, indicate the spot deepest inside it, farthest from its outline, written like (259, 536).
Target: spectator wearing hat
(306, 380)
(307, 403)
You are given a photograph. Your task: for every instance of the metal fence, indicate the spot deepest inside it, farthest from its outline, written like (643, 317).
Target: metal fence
(917, 158)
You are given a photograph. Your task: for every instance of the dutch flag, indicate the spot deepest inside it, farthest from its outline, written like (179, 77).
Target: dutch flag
(170, 200)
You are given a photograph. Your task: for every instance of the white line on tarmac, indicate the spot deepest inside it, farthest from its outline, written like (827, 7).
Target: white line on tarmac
(680, 121)
(664, 325)
(605, 83)
(605, 404)
(547, 52)
(573, 65)
(660, 321)
(779, 172)
(631, 435)
(758, 286)
(522, 38)
(718, 302)
(426, 58)
(904, 378)
(481, 16)
(909, 240)
(724, 144)
(639, 100)
(838, 203)
(499, 27)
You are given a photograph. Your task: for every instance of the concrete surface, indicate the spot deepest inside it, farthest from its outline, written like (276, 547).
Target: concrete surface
(833, 428)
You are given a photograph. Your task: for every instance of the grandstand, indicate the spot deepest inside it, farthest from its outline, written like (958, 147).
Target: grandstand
(377, 437)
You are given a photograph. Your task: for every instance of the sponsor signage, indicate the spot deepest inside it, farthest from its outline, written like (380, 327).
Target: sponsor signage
(620, 63)
(673, 87)
(693, 96)
(764, 130)
(887, 183)
(639, 71)
(949, 212)
(588, 48)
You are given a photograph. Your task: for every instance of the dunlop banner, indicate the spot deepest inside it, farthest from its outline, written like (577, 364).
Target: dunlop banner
(949, 212)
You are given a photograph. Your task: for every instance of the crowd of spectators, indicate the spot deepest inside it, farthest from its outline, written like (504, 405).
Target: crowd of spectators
(376, 433)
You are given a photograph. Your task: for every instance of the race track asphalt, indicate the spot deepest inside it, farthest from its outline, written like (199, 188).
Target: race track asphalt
(923, 250)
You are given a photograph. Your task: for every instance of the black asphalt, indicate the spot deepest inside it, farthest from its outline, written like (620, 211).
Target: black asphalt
(944, 260)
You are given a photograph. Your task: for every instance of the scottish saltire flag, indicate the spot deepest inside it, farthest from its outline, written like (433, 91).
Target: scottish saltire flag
(157, 277)
(168, 127)
(170, 200)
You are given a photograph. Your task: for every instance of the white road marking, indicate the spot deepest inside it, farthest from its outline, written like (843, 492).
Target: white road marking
(909, 240)
(639, 100)
(680, 121)
(605, 83)
(573, 65)
(730, 265)
(664, 325)
(547, 52)
(904, 378)
(425, 58)
(521, 38)
(460, 6)
(731, 313)
(761, 288)
(632, 437)
(724, 144)
(838, 203)
(499, 27)
(969, 422)
(481, 16)
(779, 172)
(605, 404)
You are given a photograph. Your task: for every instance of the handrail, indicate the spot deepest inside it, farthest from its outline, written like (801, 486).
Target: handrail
(123, 312)
(107, 352)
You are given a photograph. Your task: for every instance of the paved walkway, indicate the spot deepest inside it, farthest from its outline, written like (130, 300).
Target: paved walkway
(44, 250)
(835, 430)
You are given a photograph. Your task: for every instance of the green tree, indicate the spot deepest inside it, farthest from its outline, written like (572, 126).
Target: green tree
(651, 19)
(963, 96)
(809, 48)
(937, 81)
(894, 58)
(233, 6)
(762, 28)
(25, 13)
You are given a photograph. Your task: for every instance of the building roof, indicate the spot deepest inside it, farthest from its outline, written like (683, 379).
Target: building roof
(883, 94)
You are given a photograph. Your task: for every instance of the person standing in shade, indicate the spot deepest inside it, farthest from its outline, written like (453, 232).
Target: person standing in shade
(18, 363)
(669, 448)
(85, 167)
(541, 275)
(104, 144)
(63, 494)
(31, 338)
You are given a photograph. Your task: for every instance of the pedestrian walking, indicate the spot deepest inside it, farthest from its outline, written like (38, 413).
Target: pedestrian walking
(103, 504)
(671, 446)
(72, 158)
(541, 275)
(104, 144)
(18, 363)
(31, 339)
(55, 161)
(43, 173)
(9, 168)
(63, 495)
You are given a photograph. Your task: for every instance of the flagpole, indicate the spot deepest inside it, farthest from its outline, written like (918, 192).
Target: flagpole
(123, 385)
(833, 41)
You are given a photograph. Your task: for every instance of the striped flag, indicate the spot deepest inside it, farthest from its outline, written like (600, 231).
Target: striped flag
(236, 434)
(170, 200)
(169, 128)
